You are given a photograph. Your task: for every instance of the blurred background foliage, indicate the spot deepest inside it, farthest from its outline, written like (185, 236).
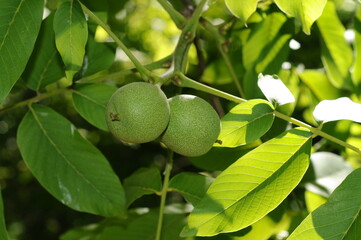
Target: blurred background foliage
(145, 28)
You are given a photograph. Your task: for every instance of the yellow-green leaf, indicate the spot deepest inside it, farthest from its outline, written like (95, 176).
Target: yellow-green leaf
(242, 9)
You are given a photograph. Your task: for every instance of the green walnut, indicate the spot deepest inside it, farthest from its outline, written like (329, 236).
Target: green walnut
(193, 126)
(137, 113)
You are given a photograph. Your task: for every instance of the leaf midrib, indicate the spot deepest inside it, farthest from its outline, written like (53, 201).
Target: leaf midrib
(52, 143)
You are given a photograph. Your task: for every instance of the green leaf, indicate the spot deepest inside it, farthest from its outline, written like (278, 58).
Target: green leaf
(67, 165)
(219, 158)
(336, 53)
(242, 9)
(192, 186)
(99, 56)
(306, 11)
(3, 232)
(265, 50)
(143, 182)
(313, 200)
(339, 218)
(45, 65)
(90, 101)
(20, 24)
(253, 186)
(71, 33)
(356, 75)
(245, 123)
(319, 84)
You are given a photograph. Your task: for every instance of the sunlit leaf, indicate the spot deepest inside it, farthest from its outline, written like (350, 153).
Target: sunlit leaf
(356, 75)
(319, 84)
(45, 65)
(326, 172)
(338, 109)
(336, 52)
(3, 232)
(306, 11)
(245, 123)
(90, 101)
(313, 200)
(253, 186)
(275, 90)
(337, 219)
(71, 33)
(67, 165)
(144, 181)
(19, 26)
(192, 186)
(242, 9)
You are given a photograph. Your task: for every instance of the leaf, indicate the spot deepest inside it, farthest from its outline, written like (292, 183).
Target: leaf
(20, 24)
(253, 186)
(143, 182)
(71, 33)
(211, 160)
(3, 232)
(192, 186)
(356, 74)
(245, 123)
(265, 50)
(338, 109)
(99, 56)
(306, 11)
(90, 101)
(339, 218)
(242, 9)
(336, 53)
(326, 172)
(45, 65)
(275, 90)
(313, 200)
(67, 165)
(319, 84)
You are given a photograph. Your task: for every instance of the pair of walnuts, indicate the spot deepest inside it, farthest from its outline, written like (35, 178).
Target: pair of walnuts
(140, 112)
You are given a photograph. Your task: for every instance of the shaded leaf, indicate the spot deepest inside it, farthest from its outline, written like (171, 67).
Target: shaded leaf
(71, 33)
(3, 232)
(336, 53)
(306, 11)
(67, 165)
(20, 24)
(45, 65)
(192, 186)
(143, 182)
(242, 9)
(219, 158)
(90, 101)
(339, 218)
(253, 186)
(245, 123)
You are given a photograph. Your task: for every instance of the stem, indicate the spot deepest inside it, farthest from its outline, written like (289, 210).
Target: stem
(168, 169)
(34, 99)
(219, 39)
(145, 73)
(183, 81)
(177, 18)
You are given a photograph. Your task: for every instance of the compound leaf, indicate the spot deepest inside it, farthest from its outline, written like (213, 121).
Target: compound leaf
(339, 218)
(245, 123)
(67, 165)
(253, 186)
(20, 24)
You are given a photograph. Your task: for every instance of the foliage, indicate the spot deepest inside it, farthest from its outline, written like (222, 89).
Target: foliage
(284, 76)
